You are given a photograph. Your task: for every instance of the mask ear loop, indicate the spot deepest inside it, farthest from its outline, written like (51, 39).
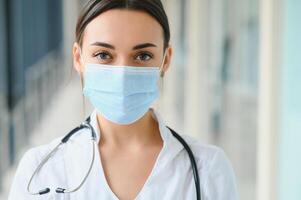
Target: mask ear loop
(81, 56)
(83, 62)
(161, 81)
(82, 83)
(162, 65)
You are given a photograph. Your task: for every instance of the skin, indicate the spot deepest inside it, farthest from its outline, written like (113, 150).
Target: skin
(138, 143)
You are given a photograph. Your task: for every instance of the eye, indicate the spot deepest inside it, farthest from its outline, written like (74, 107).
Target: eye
(144, 57)
(103, 56)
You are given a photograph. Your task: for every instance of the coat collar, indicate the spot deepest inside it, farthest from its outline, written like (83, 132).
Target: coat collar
(171, 146)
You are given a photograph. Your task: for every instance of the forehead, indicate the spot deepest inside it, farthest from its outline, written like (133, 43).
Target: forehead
(125, 27)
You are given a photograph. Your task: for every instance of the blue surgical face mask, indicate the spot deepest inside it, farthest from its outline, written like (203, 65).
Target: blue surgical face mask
(122, 94)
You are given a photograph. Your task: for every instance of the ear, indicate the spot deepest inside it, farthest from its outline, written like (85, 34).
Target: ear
(77, 62)
(167, 61)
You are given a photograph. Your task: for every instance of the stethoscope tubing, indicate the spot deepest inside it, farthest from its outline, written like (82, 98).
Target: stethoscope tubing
(86, 124)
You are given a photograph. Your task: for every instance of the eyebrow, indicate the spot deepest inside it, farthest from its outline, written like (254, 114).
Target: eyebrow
(139, 46)
(144, 45)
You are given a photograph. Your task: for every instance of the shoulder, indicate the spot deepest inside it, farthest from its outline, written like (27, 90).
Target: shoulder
(215, 169)
(32, 157)
(205, 154)
(35, 154)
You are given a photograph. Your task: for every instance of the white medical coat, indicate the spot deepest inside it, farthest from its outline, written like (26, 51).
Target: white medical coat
(171, 177)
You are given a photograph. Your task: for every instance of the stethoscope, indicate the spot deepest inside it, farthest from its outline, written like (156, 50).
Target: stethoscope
(86, 124)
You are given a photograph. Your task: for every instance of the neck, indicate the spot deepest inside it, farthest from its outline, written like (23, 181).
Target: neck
(140, 133)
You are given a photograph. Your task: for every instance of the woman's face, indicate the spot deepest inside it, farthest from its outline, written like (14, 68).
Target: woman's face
(122, 37)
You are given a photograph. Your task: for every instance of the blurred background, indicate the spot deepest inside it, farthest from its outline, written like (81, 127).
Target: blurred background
(234, 82)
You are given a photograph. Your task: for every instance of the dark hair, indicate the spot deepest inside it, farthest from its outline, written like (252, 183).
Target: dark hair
(94, 8)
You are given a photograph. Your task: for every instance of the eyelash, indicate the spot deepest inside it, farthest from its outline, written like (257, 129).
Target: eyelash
(145, 53)
(105, 53)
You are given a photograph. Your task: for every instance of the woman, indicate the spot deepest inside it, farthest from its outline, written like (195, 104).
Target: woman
(122, 48)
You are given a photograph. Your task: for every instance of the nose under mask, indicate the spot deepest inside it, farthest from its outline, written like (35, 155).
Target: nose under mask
(122, 94)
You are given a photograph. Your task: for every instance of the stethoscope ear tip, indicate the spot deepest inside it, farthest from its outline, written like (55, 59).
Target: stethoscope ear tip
(44, 191)
(60, 190)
